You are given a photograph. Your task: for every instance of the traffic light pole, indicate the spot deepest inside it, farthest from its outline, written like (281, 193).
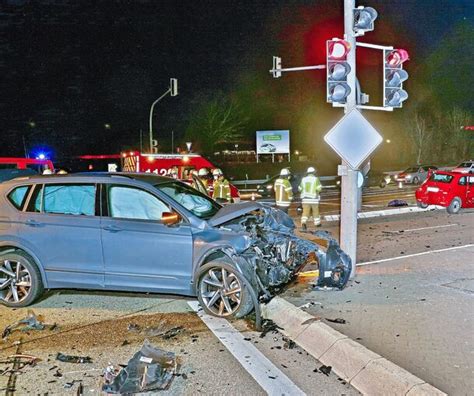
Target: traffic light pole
(349, 191)
(151, 118)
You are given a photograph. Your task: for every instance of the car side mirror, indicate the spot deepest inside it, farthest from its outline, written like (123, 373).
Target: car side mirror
(170, 218)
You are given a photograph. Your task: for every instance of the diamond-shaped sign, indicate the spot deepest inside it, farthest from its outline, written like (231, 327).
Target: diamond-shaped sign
(353, 138)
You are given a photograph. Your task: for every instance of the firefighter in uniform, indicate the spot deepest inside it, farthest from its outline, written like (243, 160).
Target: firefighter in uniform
(203, 175)
(310, 187)
(283, 191)
(221, 186)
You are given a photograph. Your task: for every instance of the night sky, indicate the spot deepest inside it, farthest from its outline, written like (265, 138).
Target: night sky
(70, 67)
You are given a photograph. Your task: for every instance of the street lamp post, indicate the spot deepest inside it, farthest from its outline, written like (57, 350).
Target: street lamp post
(173, 91)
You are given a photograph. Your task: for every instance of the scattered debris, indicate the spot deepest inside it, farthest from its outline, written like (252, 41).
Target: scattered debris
(289, 344)
(326, 370)
(309, 304)
(31, 322)
(149, 369)
(397, 203)
(73, 359)
(171, 333)
(267, 326)
(337, 320)
(133, 327)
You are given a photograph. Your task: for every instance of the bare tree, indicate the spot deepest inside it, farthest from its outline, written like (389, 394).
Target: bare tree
(216, 122)
(420, 135)
(459, 144)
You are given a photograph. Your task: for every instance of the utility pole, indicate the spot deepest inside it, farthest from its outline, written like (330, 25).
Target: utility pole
(349, 191)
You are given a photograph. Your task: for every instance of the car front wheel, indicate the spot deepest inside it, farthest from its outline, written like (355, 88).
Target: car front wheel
(20, 280)
(416, 180)
(222, 290)
(455, 206)
(421, 205)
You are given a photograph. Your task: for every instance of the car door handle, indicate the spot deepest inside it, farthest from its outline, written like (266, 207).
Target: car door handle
(112, 228)
(32, 223)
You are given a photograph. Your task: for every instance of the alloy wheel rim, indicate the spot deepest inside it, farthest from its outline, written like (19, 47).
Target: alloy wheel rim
(15, 281)
(220, 291)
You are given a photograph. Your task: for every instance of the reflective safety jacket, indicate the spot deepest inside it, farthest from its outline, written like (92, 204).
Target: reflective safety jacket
(310, 187)
(283, 192)
(221, 189)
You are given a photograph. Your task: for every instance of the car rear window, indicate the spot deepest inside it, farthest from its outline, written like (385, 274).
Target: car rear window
(70, 199)
(18, 196)
(442, 178)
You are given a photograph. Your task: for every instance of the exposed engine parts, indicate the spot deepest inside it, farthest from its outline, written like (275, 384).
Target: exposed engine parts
(276, 254)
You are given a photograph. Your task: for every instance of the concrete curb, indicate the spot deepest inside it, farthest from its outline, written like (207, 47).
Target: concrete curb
(365, 370)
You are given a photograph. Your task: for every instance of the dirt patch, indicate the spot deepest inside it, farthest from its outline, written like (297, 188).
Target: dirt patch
(74, 338)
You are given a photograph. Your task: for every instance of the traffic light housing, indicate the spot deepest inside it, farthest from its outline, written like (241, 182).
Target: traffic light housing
(364, 18)
(276, 71)
(394, 76)
(337, 70)
(174, 86)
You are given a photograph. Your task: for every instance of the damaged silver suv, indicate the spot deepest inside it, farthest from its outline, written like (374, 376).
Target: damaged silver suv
(146, 233)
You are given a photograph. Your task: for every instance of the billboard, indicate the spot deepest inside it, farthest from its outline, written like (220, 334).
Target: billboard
(273, 142)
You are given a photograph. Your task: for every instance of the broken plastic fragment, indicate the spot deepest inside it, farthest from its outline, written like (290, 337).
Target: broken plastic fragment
(73, 359)
(337, 320)
(148, 370)
(31, 322)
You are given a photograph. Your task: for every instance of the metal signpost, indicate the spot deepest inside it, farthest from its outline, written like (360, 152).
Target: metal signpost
(353, 137)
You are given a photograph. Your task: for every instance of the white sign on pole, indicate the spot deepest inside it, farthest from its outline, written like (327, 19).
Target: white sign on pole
(353, 138)
(273, 142)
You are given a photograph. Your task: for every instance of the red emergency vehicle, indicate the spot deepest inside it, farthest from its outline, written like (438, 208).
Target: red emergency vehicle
(162, 164)
(38, 165)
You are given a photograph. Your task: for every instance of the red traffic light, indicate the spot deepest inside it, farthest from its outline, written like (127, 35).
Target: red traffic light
(396, 57)
(338, 49)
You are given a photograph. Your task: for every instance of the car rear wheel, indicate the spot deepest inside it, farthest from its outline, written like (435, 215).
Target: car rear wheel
(20, 280)
(416, 180)
(421, 205)
(455, 206)
(222, 290)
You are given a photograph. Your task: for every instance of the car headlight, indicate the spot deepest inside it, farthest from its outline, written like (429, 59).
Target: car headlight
(269, 187)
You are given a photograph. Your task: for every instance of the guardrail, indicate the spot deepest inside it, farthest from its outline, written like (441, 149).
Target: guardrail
(261, 181)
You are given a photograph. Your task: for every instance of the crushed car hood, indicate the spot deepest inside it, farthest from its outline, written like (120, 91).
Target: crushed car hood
(231, 212)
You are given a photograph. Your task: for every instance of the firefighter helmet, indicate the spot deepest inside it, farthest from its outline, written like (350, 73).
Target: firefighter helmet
(203, 172)
(217, 172)
(311, 170)
(285, 172)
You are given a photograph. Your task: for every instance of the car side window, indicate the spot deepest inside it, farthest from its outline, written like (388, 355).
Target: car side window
(471, 180)
(18, 196)
(70, 199)
(134, 203)
(462, 181)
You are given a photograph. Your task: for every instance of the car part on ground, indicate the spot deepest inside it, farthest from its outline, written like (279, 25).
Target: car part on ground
(73, 359)
(31, 322)
(150, 369)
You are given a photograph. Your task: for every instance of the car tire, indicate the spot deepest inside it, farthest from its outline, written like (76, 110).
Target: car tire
(383, 184)
(211, 289)
(416, 180)
(455, 206)
(421, 205)
(20, 279)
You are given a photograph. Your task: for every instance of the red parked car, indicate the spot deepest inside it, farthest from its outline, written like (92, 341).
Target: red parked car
(453, 190)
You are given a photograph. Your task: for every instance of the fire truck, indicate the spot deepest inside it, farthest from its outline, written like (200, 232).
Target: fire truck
(162, 164)
(11, 167)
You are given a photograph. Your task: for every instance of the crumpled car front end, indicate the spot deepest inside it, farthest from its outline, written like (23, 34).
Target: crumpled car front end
(274, 254)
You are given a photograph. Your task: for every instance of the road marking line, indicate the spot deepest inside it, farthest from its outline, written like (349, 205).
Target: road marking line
(251, 359)
(429, 228)
(387, 212)
(413, 255)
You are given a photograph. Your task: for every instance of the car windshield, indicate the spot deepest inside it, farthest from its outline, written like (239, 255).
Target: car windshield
(199, 204)
(465, 165)
(440, 177)
(410, 170)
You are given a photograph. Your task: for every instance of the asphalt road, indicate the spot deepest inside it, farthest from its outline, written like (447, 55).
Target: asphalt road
(411, 300)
